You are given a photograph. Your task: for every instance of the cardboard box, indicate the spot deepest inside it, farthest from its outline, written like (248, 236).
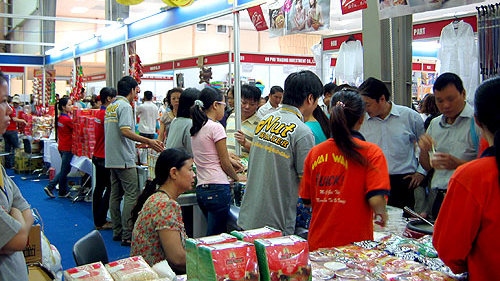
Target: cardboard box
(33, 251)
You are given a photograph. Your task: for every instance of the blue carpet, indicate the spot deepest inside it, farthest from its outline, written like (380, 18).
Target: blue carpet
(64, 222)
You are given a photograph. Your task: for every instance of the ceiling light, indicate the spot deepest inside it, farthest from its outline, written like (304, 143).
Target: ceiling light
(79, 10)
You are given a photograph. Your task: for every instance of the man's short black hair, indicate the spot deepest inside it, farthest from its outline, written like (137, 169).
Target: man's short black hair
(299, 85)
(374, 89)
(446, 79)
(148, 95)
(125, 85)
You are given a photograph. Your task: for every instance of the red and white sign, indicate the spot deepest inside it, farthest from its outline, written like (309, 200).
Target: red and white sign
(333, 43)
(429, 67)
(166, 78)
(277, 59)
(97, 77)
(349, 6)
(169, 65)
(433, 29)
(12, 69)
(416, 66)
(333, 62)
(207, 60)
(257, 17)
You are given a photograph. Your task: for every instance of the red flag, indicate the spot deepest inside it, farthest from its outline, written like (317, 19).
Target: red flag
(349, 6)
(257, 18)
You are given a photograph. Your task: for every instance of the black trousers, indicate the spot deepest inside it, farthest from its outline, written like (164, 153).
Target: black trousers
(102, 191)
(401, 195)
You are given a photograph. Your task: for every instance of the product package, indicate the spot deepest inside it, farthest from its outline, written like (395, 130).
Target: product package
(236, 261)
(89, 272)
(192, 245)
(131, 269)
(258, 233)
(283, 258)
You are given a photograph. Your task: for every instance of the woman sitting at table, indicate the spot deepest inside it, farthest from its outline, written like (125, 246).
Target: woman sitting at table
(159, 232)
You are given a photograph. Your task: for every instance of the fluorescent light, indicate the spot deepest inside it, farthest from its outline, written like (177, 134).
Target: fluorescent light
(50, 52)
(425, 45)
(79, 10)
(128, 21)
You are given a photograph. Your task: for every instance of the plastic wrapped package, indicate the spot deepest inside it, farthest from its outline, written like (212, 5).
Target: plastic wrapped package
(236, 261)
(51, 258)
(192, 245)
(164, 271)
(283, 258)
(258, 233)
(131, 269)
(89, 272)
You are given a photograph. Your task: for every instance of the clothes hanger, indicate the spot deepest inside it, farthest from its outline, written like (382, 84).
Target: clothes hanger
(455, 22)
(351, 38)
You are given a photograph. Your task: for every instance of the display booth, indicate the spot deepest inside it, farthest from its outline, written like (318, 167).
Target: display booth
(426, 62)
(425, 53)
(266, 69)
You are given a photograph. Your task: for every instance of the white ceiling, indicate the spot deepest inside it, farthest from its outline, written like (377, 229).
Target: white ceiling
(339, 24)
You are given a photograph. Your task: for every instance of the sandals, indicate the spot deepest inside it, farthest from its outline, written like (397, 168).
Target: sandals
(126, 243)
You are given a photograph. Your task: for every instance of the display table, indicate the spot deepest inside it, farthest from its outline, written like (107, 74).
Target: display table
(51, 155)
(194, 220)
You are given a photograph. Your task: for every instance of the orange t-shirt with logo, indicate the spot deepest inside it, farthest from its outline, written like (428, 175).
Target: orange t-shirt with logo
(339, 189)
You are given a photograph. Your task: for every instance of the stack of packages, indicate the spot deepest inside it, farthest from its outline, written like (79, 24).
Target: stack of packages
(41, 127)
(259, 254)
(84, 132)
(128, 269)
(390, 258)
(38, 90)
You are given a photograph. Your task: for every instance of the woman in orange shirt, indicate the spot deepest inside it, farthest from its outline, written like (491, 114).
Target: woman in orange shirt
(466, 230)
(345, 179)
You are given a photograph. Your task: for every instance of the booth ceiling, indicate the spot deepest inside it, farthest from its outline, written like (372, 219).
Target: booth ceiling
(92, 10)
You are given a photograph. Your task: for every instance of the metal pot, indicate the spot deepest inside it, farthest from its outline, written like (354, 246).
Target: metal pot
(418, 228)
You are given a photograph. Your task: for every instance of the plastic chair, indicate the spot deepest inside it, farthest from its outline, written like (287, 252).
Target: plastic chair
(89, 249)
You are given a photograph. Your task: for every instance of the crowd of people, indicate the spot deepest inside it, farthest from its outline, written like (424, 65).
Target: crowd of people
(344, 152)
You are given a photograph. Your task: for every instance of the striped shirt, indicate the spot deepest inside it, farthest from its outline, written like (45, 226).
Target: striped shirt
(247, 127)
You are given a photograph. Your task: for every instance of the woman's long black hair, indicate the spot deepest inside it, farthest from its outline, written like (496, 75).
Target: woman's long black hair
(207, 97)
(487, 114)
(62, 102)
(168, 159)
(346, 108)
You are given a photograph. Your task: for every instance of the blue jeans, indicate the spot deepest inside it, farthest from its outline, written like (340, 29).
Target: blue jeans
(214, 201)
(62, 177)
(11, 140)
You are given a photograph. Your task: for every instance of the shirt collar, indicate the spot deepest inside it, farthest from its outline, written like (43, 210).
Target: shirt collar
(292, 109)
(122, 98)
(490, 151)
(394, 111)
(467, 112)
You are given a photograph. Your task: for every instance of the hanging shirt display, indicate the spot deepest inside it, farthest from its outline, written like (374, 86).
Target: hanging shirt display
(349, 66)
(458, 54)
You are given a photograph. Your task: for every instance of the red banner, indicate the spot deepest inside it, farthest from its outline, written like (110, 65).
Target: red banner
(169, 65)
(433, 29)
(277, 59)
(12, 69)
(97, 77)
(428, 67)
(257, 18)
(349, 6)
(333, 43)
